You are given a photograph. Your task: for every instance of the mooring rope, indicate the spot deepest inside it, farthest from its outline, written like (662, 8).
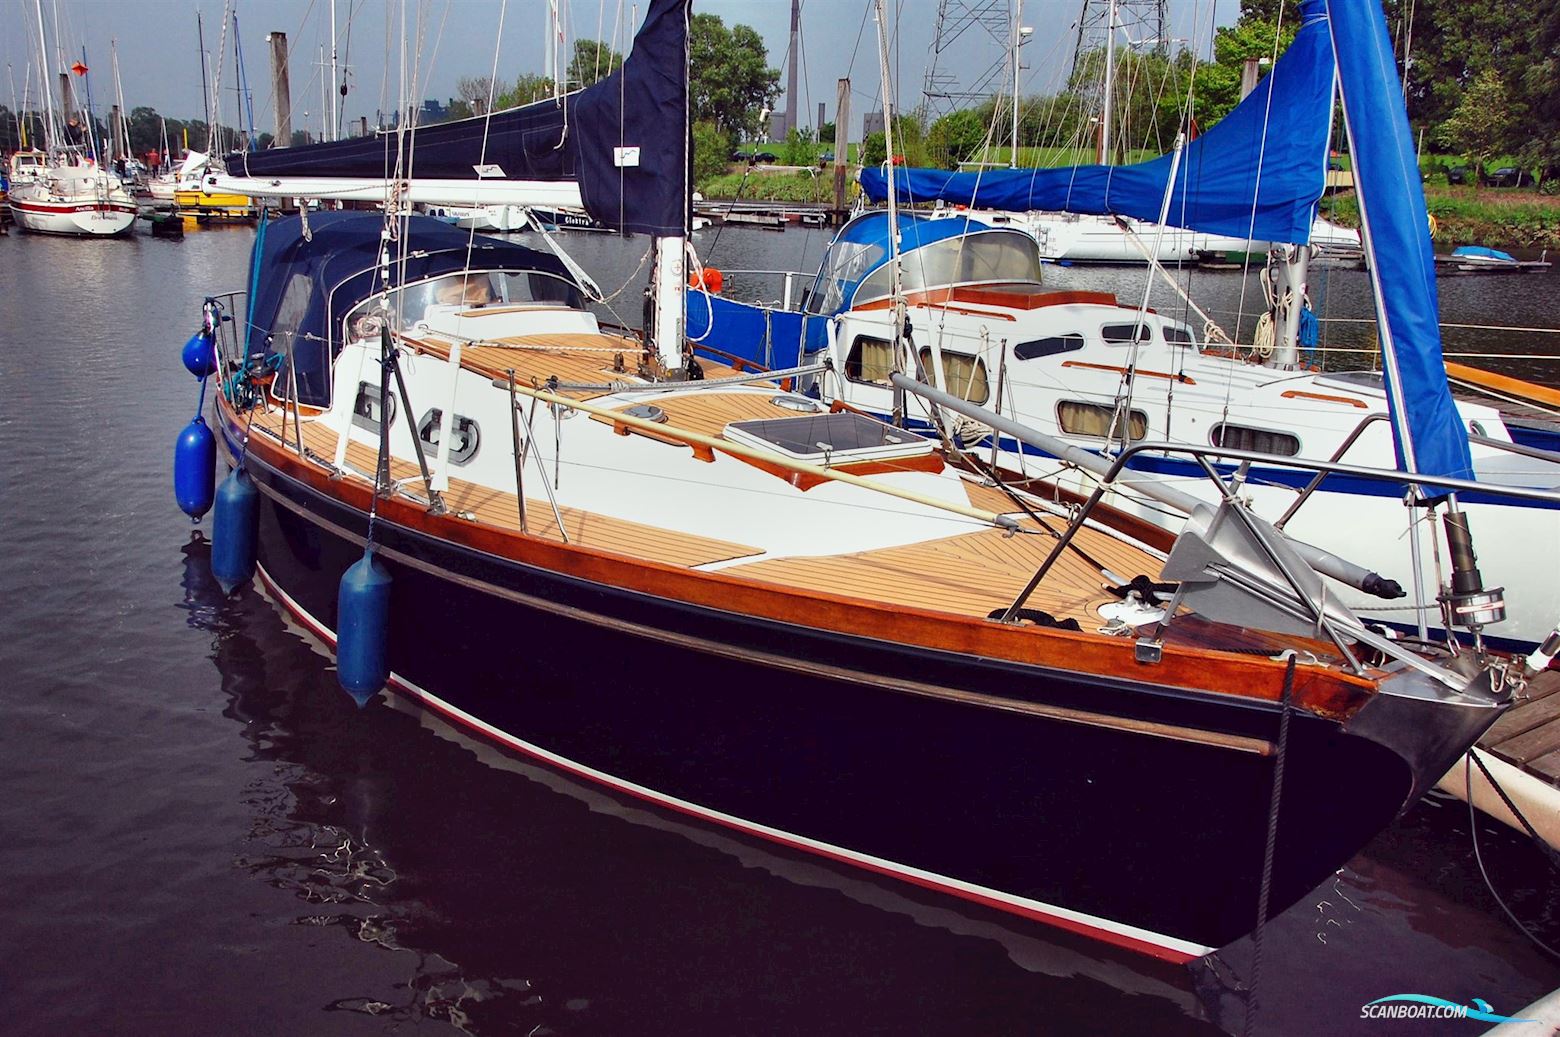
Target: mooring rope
(1272, 842)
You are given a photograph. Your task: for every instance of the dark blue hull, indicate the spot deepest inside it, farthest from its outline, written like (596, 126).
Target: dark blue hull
(923, 764)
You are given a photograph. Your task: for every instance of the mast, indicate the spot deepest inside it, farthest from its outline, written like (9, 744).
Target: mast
(50, 129)
(1019, 35)
(1110, 84)
(896, 293)
(205, 98)
(335, 101)
(669, 282)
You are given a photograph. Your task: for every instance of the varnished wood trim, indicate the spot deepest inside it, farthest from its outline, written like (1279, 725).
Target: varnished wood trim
(1139, 372)
(1301, 394)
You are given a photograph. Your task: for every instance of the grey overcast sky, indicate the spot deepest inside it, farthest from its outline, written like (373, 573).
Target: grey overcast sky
(159, 60)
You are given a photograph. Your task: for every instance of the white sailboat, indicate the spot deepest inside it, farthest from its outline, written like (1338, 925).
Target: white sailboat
(69, 192)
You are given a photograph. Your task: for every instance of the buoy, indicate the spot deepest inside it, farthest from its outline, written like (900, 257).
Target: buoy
(195, 468)
(709, 279)
(362, 625)
(234, 525)
(199, 356)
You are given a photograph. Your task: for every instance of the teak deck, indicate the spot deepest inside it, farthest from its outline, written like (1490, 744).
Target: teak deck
(970, 574)
(571, 357)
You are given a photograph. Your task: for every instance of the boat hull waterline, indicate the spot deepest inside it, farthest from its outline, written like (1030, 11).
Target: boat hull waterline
(998, 783)
(84, 219)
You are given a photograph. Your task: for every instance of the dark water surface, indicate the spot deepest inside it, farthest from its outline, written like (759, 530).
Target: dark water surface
(200, 834)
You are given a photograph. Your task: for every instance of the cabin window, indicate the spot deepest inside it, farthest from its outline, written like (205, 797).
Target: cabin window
(1048, 346)
(365, 409)
(989, 256)
(1094, 420)
(870, 360)
(1239, 437)
(464, 435)
(963, 375)
(1122, 334)
(1178, 334)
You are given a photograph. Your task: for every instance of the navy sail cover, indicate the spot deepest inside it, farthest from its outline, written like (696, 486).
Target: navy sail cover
(1258, 173)
(624, 139)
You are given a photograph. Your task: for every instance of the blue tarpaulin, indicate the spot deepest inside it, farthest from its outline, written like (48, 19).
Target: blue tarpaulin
(1257, 174)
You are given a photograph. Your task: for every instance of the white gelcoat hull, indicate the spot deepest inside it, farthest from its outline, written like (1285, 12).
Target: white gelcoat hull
(81, 219)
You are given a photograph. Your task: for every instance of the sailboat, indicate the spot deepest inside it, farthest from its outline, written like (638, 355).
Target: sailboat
(1106, 374)
(1067, 233)
(68, 193)
(705, 591)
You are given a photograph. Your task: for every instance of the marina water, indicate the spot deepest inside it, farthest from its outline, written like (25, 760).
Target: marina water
(203, 834)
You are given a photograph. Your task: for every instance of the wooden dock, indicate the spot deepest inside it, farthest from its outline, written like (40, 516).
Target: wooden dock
(1522, 752)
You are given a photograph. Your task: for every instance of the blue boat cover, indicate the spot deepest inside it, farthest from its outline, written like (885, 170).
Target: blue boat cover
(778, 338)
(1481, 252)
(302, 285)
(1257, 174)
(1430, 437)
(644, 104)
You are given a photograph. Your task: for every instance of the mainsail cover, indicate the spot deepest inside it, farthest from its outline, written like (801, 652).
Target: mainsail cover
(1429, 436)
(1258, 173)
(624, 140)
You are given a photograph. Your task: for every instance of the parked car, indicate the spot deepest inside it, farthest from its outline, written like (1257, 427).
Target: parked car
(765, 156)
(1457, 175)
(1510, 176)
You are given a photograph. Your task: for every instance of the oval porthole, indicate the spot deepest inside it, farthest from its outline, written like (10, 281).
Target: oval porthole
(1476, 428)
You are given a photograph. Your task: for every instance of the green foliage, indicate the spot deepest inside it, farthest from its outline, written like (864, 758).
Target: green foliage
(826, 133)
(730, 81)
(593, 60)
(530, 87)
(1481, 122)
(1500, 219)
(799, 148)
(1148, 94)
(806, 186)
(1217, 85)
(907, 143)
(956, 137)
(711, 149)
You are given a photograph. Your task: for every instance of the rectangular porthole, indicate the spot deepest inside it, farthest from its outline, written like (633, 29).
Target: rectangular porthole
(1239, 437)
(1093, 420)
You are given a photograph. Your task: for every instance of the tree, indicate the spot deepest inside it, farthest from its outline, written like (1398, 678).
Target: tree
(908, 144)
(1217, 84)
(1478, 127)
(711, 151)
(593, 60)
(476, 92)
(528, 89)
(730, 83)
(799, 149)
(956, 137)
(826, 133)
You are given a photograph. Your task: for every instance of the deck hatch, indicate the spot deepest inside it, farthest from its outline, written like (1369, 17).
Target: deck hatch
(829, 438)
